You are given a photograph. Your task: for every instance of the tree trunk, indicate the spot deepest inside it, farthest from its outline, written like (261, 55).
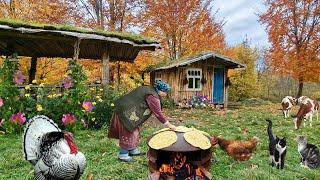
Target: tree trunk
(300, 87)
(112, 12)
(101, 15)
(12, 10)
(33, 69)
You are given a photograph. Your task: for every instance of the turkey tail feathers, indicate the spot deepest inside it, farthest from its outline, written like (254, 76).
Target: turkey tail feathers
(33, 132)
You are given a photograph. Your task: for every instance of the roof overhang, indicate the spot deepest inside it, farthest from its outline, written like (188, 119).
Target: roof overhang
(33, 42)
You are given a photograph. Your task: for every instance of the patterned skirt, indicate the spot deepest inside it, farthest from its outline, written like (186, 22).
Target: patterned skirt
(127, 140)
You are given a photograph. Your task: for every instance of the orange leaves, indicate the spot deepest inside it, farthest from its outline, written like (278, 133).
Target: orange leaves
(183, 27)
(44, 11)
(292, 28)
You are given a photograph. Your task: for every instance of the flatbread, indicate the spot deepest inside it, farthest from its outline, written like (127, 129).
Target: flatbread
(163, 140)
(204, 133)
(161, 130)
(183, 129)
(197, 139)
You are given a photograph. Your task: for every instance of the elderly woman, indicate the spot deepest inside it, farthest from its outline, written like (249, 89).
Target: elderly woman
(131, 111)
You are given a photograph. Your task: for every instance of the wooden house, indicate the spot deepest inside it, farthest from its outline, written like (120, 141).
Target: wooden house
(204, 74)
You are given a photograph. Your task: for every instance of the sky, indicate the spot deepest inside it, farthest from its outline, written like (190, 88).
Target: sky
(241, 20)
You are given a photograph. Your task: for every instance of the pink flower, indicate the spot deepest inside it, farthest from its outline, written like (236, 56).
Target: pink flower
(87, 106)
(1, 102)
(68, 119)
(18, 118)
(18, 77)
(67, 82)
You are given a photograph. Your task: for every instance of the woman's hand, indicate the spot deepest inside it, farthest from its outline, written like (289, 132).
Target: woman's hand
(171, 126)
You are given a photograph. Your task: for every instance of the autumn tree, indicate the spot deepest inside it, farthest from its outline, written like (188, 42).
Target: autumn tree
(182, 27)
(293, 27)
(244, 83)
(112, 15)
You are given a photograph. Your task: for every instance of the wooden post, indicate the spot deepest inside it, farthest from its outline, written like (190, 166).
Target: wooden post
(105, 68)
(76, 50)
(33, 69)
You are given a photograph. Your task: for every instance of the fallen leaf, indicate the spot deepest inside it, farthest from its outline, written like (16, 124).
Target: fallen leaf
(90, 176)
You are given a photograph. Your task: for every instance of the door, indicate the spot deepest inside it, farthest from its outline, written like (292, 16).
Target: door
(218, 86)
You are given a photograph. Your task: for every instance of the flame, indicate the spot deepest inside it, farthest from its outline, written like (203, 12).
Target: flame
(166, 168)
(178, 161)
(198, 172)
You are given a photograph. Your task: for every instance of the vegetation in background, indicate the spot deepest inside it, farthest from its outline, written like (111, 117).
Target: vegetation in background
(244, 83)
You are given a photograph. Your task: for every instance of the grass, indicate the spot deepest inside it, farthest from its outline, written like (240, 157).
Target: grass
(242, 123)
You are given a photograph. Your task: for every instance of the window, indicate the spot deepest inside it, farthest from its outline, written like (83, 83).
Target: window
(194, 79)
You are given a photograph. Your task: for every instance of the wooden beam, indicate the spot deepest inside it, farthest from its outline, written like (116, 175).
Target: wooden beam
(76, 49)
(105, 68)
(33, 69)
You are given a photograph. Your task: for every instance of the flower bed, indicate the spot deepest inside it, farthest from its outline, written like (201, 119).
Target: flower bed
(77, 106)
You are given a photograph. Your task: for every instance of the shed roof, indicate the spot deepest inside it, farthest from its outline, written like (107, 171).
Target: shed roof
(227, 62)
(42, 40)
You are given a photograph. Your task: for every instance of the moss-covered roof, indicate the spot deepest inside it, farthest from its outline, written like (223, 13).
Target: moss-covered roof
(121, 35)
(43, 40)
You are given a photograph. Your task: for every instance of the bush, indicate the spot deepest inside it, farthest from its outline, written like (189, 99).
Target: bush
(87, 109)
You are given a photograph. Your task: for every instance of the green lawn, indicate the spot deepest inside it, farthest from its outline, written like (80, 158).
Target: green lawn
(102, 160)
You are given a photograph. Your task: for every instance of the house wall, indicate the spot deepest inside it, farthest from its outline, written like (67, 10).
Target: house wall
(175, 76)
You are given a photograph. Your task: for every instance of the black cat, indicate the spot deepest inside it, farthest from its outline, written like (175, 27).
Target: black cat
(277, 148)
(309, 153)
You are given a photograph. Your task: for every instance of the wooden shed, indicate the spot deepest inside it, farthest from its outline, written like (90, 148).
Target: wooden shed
(204, 74)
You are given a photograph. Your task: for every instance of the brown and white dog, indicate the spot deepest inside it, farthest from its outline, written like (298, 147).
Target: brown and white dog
(287, 103)
(307, 109)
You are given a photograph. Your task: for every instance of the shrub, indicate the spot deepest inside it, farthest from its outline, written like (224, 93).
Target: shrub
(76, 107)
(10, 94)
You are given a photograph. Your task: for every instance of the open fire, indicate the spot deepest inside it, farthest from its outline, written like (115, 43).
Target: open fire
(180, 161)
(180, 169)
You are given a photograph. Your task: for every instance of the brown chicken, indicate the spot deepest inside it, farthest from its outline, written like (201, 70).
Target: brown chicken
(239, 150)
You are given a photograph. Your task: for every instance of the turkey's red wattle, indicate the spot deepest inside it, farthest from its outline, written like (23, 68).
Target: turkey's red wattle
(72, 145)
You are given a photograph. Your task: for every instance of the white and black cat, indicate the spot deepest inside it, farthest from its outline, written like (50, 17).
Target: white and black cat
(309, 153)
(277, 148)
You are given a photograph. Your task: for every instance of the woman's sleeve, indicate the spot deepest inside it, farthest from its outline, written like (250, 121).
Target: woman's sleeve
(155, 107)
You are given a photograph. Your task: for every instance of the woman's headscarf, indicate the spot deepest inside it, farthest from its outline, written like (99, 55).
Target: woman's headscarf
(161, 86)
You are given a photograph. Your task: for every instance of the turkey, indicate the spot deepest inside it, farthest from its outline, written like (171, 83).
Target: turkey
(53, 153)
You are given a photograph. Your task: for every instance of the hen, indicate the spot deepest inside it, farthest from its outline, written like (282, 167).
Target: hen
(239, 150)
(52, 152)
